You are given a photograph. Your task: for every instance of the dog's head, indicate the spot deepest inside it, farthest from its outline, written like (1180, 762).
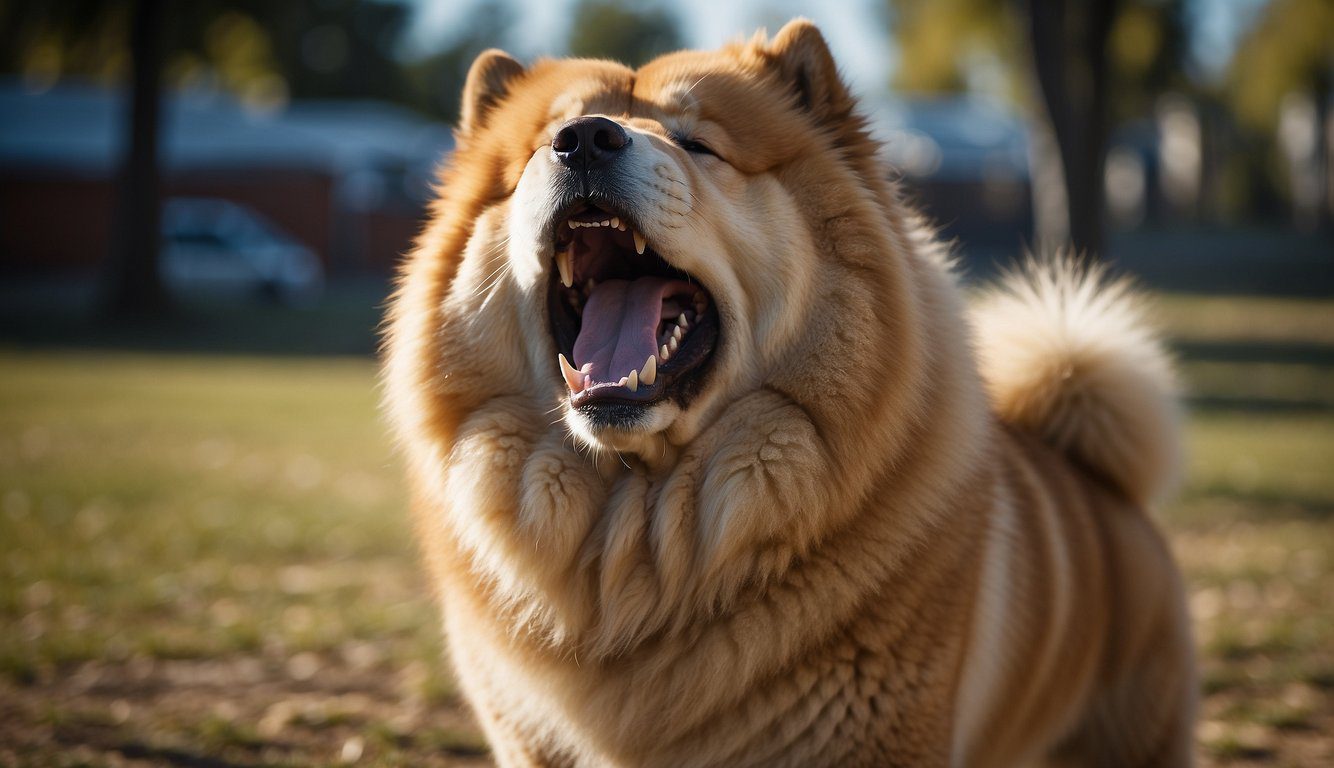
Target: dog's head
(702, 263)
(659, 222)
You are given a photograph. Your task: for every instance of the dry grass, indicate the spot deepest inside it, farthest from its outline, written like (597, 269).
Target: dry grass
(204, 559)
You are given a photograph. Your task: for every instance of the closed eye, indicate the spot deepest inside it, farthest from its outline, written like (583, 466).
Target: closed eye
(692, 146)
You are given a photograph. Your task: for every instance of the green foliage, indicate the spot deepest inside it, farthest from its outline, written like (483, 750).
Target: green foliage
(44, 41)
(1291, 49)
(939, 41)
(438, 79)
(946, 43)
(1147, 49)
(607, 29)
(265, 52)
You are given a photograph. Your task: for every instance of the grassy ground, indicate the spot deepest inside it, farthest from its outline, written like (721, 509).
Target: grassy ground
(204, 559)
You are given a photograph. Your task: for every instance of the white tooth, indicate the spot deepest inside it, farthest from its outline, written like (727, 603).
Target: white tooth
(676, 333)
(571, 375)
(624, 380)
(572, 224)
(673, 344)
(587, 381)
(664, 353)
(649, 373)
(616, 221)
(682, 321)
(640, 243)
(566, 270)
(632, 381)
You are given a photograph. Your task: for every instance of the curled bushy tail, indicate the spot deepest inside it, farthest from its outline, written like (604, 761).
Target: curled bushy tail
(1066, 354)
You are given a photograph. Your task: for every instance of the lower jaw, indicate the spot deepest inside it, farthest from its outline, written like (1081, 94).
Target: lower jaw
(616, 415)
(639, 430)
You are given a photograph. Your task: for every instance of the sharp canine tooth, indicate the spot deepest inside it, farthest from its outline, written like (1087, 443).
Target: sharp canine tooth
(566, 270)
(571, 375)
(632, 381)
(649, 373)
(640, 243)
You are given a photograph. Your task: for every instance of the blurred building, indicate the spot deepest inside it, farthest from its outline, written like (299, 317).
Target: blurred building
(349, 179)
(964, 161)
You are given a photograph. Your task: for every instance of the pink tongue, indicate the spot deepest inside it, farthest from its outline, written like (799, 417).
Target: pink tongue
(620, 325)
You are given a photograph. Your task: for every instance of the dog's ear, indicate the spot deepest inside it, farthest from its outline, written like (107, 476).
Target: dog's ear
(804, 60)
(489, 80)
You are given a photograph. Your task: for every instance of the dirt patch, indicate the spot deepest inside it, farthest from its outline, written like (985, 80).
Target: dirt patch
(242, 711)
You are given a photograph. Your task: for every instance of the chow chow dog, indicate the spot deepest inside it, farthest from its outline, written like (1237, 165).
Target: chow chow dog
(713, 465)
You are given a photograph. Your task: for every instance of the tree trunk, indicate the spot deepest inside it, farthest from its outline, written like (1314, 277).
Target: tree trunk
(1070, 61)
(134, 284)
(1324, 163)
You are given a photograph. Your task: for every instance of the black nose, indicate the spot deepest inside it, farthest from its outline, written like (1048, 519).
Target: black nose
(588, 141)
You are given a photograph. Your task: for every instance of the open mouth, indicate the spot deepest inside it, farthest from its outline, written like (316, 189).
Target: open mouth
(630, 328)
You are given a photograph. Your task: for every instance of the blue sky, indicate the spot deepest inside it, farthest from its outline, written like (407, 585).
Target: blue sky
(856, 29)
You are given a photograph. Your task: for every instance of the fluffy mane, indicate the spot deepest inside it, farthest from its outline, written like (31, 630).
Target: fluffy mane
(593, 557)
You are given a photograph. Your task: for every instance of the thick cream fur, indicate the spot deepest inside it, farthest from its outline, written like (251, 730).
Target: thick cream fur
(1069, 355)
(838, 554)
